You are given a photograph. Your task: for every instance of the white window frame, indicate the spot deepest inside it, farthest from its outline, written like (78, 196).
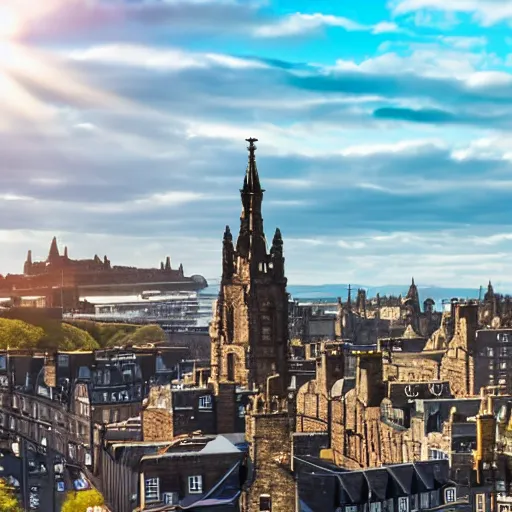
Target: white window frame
(152, 489)
(195, 484)
(449, 492)
(205, 402)
(403, 504)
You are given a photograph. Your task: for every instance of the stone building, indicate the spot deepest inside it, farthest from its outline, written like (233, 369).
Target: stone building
(61, 280)
(249, 330)
(366, 320)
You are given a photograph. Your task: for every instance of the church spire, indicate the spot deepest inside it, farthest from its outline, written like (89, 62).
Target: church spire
(54, 251)
(251, 243)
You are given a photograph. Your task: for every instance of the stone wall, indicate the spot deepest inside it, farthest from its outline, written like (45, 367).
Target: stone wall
(269, 440)
(156, 416)
(457, 365)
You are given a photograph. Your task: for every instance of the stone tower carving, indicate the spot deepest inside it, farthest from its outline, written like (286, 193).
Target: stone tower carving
(249, 330)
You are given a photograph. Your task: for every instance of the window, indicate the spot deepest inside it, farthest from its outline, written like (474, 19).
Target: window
(205, 402)
(231, 367)
(424, 500)
(480, 502)
(375, 507)
(195, 484)
(265, 503)
(434, 499)
(63, 360)
(152, 489)
(450, 495)
(403, 504)
(241, 411)
(3, 362)
(388, 505)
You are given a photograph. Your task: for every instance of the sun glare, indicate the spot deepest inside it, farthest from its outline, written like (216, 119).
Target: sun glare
(9, 23)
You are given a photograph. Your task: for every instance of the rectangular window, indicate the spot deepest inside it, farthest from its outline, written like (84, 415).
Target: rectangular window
(351, 508)
(195, 484)
(241, 411)
(450, 495)
(434, 499)
(403, 504)
(3, 363)
(63, 360)
(152, 489)
(480, 502)
(375, 507)
(424, 500)
(205, 402)
(265, 503)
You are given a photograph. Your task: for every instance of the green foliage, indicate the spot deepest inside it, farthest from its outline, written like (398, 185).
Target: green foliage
(79, 501)
(148, 334)
(78, 339)
(18, 334)
(106, 334)
(120, 335)
(8, 501)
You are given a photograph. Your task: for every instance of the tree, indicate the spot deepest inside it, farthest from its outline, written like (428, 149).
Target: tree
(18, 334)
(8, 501)
(77, 339)
(147, 334)
(79, 501)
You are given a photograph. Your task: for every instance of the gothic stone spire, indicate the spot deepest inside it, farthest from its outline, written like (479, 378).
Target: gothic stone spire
(251, 243)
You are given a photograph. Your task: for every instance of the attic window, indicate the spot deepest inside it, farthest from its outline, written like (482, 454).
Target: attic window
(195, 484)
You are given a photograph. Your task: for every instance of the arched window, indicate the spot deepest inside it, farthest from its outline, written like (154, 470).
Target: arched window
(231, 366)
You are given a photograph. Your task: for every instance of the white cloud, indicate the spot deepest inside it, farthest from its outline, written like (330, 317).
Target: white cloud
(155, 58)
(488, 12)
(463, 42)
(299, 23)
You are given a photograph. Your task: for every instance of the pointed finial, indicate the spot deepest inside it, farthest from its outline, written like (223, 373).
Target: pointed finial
(412, 283)
(228, 237)
(168, 263)
(251, 147)
(29, 257)
(278, 239)
(66, 252)
(54, 250)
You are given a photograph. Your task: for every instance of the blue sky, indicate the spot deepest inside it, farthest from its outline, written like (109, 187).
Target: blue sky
(384, 127)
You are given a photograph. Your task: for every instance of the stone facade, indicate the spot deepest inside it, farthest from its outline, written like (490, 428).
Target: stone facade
(271, 482)
(157, 417)
(249, 330)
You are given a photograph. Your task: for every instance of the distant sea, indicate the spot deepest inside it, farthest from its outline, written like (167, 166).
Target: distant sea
(330, 292)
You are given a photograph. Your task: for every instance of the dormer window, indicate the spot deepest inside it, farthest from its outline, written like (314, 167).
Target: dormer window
(205, 402)
(195, 484)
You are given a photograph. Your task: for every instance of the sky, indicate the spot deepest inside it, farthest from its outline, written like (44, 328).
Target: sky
(384, 127)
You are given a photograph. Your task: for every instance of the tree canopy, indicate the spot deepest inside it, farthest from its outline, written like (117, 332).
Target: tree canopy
(19, 334)
(8, 501)
(78, 339)
(120, 335)
(79, 501)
